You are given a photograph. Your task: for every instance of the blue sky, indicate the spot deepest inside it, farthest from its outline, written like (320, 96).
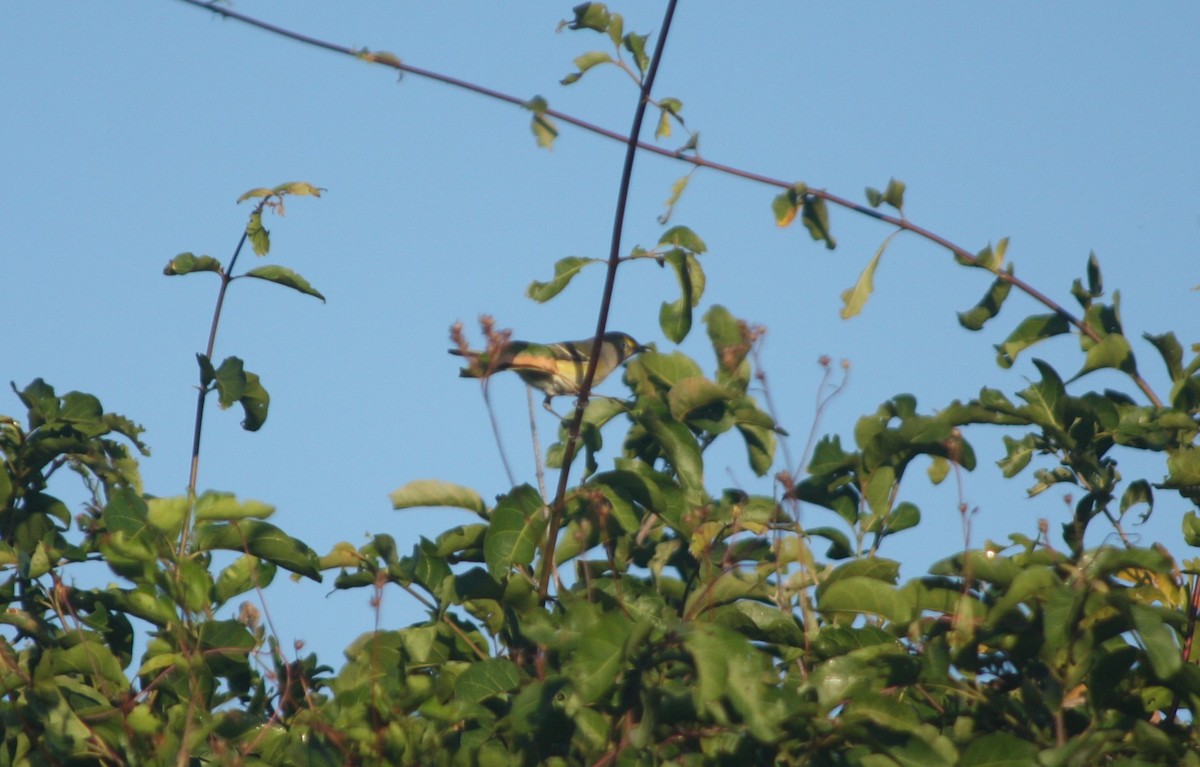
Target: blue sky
(130, 130)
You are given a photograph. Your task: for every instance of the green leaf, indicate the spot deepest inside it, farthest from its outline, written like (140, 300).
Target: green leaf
(691, 395)
(842, 678)
(758, 622)
(433, 493)
(565, 270)
(905, 516)
(663, 128)
(636, 45)
(939, 469)
(944, 597)
(988, 258)
(193, 588)
(1183, 467)
(616, 28)
(678, 445)
(143, 602)
(683, 237)
(983, 565)
(127, 513)
(989, 306)
(283, 276)
(677, 190)
(879, 488)
(298, 188)
(1032, 329)
(544, 129)
(675, 319)
(1113, 351)
(83, 411)
(992, 258)
(186, 263)
(207, 372)
(839, 542)
(255, 403)
(596, 664)
(88, 657)
(815, 215)
(459, 539)
(515, 531)
(661, 370)
(894, 194)
(1110, 561)
(1191, 529)
(594, 16)
(760, 446)
(39, 398)
(486, 679)
(860, 594)
(1138, 491)
(225, 507)
(1158, 639)
(689, 273)
(877, 568)
(244, 574)
(731, 344)
(261, 539)
(1095, 283)
(1046, 398)
(258, 235)
(855, 298)
(669, 108)
(1103, 319)
(786, 204)
(1095, 288)
(881, 711)
(729, 668)
(620, 503)
(1019, 453)
(231, 381)
(6, 486)
(585, 62)
(1171, 352)
(259, 192)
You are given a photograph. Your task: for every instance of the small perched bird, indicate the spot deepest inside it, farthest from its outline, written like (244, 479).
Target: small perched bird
(555, 368)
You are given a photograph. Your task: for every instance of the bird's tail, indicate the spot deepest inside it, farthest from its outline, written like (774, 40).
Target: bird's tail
(474, 368)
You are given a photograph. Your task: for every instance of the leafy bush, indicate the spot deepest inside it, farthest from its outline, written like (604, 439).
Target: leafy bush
(633, 615)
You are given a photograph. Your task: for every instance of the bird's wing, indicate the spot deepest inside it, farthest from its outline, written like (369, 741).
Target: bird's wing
(533, 360)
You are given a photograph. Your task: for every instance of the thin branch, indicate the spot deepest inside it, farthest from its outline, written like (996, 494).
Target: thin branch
(198, 428)
(539, 465)
(610, 277)
(487, 401)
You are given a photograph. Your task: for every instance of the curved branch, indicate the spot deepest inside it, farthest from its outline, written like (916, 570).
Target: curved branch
(392, 61)
(614, 260)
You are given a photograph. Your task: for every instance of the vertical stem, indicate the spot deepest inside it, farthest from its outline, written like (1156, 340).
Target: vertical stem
(194, 473)
(614, 259)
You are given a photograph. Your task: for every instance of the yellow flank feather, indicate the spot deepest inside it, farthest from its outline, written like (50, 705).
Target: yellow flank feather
(554, 368)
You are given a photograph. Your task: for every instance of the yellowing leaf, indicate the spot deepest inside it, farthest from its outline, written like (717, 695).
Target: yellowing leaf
(853, 299)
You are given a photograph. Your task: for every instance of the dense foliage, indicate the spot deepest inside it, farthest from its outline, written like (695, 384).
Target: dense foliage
(637, 616)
